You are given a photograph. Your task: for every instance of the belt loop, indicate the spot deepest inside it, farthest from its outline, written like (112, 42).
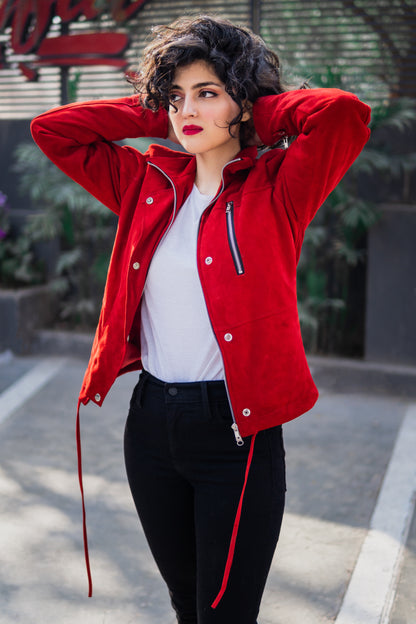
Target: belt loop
(205, 399)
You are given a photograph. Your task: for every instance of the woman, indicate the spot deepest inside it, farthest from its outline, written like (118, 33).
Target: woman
(201, 292)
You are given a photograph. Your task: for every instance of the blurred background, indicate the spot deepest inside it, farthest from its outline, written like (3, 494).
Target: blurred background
(356, 279)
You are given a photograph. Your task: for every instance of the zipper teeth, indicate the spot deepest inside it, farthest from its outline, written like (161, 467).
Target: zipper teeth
(174, 200)
(171, 219)
(235, 428)
(232, 239)
(222, 184)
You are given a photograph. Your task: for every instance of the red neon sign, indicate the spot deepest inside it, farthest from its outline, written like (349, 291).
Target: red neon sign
(30, 21)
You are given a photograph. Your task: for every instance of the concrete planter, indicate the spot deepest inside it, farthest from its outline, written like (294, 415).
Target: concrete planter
(22, 312)
(391, 287)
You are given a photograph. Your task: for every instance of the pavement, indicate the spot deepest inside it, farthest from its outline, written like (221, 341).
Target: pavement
(347, 552)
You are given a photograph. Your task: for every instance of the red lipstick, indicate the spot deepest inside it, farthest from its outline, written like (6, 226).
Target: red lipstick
(191, 129)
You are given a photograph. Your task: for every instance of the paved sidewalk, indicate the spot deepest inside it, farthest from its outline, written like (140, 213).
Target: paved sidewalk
(337, 457)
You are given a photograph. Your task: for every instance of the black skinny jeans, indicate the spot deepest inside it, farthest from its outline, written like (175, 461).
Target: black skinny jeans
(186, 474)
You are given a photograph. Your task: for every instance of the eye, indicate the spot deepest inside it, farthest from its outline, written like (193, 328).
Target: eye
(174, 97)
(207, 94)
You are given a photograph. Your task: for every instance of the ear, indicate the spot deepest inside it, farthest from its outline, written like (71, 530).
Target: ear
(247, 107)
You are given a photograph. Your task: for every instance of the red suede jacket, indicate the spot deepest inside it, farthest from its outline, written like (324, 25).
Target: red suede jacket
(249, 238)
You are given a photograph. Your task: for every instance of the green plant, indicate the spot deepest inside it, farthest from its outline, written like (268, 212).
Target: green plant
(18, 265)
(332, 268)
(83, 225)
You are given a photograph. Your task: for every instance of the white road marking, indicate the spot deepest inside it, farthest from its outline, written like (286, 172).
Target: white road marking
(372, 586)
(28, 385)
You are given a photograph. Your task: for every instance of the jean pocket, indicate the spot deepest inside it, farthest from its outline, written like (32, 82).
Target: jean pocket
(135, 401)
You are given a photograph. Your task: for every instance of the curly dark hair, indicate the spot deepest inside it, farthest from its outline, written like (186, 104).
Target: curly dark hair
(240, 59)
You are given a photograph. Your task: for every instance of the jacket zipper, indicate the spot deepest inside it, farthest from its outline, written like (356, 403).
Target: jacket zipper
(232, 239)
(238, 439)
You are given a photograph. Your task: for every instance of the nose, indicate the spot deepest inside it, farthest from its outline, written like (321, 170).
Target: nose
(188, 108)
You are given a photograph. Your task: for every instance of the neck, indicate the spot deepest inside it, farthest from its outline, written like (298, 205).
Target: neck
(209, 169)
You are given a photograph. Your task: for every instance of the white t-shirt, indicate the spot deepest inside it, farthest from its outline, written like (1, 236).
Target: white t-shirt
(177, 340)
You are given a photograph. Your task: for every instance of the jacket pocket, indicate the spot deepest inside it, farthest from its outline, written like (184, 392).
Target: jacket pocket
(232, 239)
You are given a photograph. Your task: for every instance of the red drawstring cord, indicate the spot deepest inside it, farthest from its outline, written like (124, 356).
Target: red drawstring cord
(84, 518)
(233, 536)
(235, 530)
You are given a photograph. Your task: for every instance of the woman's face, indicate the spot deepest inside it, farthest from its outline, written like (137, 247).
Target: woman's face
(204, 110)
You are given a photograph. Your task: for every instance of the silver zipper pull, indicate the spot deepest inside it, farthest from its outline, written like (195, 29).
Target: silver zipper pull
(237, 435)
(229, 206)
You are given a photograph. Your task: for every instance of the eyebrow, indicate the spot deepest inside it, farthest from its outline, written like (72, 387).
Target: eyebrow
(199, 85)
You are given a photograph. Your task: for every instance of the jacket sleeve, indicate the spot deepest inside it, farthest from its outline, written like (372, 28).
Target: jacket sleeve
(80, 139)
(330, 126)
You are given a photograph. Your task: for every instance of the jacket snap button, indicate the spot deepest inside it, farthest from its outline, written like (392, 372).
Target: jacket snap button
(246, 412)
(98, 397)
(208, 260)
(228, 337)
(173, 391)
(136, 265)
(149, 200)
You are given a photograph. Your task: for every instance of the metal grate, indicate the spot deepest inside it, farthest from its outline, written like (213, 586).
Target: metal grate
(367, 46)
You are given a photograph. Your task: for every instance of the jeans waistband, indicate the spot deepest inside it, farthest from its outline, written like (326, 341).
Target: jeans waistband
(188, 391)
